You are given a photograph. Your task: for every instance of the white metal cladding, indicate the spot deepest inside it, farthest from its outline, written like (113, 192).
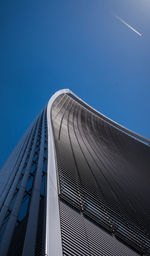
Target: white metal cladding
(53, 233)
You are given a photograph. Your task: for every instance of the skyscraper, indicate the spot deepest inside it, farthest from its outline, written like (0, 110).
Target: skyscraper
(76, 184)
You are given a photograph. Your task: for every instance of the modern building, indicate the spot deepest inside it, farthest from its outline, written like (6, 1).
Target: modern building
(77, 184)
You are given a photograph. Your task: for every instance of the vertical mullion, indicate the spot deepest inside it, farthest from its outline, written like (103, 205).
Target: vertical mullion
(30, 238)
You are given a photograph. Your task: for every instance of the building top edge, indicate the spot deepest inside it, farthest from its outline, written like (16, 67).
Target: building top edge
(96, 112)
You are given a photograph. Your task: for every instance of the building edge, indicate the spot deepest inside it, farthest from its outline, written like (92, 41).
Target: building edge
(53, 244)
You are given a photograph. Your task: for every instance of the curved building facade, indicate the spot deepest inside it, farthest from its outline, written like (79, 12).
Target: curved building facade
(76, 184)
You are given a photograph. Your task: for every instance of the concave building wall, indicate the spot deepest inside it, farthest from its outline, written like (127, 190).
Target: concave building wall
(76, 184)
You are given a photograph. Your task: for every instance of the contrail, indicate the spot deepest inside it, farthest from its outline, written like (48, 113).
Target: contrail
(125, 23)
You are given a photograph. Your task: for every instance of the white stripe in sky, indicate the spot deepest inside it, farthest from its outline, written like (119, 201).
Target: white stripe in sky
(129, 26)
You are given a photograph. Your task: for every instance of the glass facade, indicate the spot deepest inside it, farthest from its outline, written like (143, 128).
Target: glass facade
(29, 185)
(99, 177)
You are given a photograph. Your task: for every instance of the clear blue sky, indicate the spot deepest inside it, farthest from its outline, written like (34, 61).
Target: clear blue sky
(78, 44)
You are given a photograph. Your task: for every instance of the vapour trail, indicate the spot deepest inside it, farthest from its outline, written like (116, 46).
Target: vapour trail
(129, 26)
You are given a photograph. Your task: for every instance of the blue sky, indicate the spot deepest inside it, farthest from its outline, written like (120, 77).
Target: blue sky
(78, 44)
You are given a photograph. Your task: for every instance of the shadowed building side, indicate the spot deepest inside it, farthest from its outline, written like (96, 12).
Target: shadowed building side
(104, 182)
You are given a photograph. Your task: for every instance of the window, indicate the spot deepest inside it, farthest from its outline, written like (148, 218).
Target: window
(24, 207)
